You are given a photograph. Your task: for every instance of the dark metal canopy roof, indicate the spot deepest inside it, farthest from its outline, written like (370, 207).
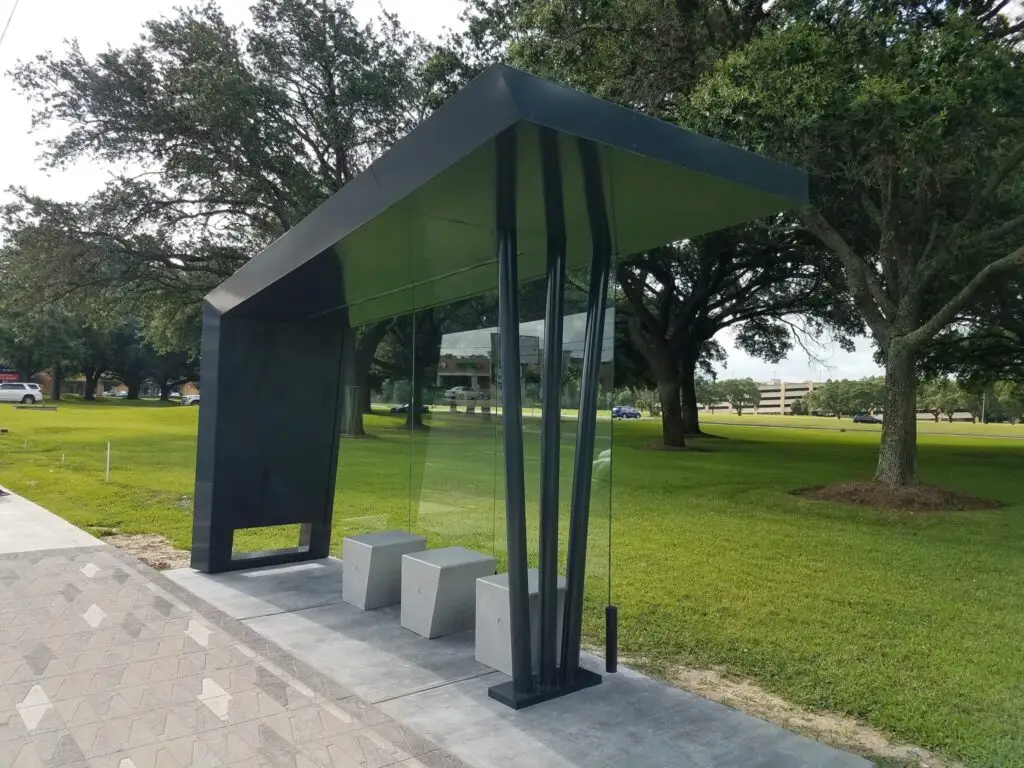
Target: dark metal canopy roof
(417, 228)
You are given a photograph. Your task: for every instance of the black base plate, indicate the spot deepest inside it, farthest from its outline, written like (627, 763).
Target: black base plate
(507, 695)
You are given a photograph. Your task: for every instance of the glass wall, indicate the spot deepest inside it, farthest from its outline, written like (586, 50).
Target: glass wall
(423, 443)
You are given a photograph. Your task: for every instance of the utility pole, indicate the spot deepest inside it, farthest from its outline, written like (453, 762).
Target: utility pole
(984, 402)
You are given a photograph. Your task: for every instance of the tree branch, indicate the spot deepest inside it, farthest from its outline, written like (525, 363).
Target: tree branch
(871, 299)
(931, 328)
(1004, 169)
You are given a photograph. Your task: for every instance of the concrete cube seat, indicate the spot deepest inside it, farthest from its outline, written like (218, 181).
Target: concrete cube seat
(493, 638)
(372, 567)
(439, 589)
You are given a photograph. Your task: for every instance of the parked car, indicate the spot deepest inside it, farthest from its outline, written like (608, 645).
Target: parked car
(405, 408)
(20, 392)
(190, 400)
(463, 393)
(862, 417)
(625, 412)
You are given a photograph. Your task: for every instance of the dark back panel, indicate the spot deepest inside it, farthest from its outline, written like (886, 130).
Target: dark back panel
(268, 426)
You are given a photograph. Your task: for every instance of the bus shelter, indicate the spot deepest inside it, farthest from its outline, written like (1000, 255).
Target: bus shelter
(467, 279)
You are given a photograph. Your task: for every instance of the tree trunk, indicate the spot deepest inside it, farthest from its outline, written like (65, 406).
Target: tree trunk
(91, 382)
(672, 430)
(688, 391)
(351, 413)
(134, 388)
(55, 384)
(414, 418)
(897, 455)
(165, 392)
(366, 397)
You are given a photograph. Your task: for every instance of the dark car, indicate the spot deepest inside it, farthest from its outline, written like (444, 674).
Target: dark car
(861, 417)
(625, 412)
(405, 409)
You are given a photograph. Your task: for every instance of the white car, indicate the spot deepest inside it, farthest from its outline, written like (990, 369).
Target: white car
(20, 392)
(190, 399)
(463, 393)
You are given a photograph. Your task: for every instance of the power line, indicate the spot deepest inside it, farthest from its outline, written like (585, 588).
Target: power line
(8, 24)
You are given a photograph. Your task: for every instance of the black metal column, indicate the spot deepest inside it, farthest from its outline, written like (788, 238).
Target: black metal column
(512, 419)
(554, 211)
(579, 518)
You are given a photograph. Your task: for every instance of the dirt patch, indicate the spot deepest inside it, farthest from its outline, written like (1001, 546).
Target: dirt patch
(838, 730)
(911, 498)
(152, 549)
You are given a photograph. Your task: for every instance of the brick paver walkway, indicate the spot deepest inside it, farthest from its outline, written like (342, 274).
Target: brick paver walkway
(104, 663)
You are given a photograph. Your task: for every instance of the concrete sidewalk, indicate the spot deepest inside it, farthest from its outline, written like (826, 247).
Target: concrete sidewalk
(437, 688)
(106, 664)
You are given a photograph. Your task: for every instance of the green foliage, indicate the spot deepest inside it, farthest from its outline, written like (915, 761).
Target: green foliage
(846, 397)
(1008, 401)
(741, 394)
(942, 396)
(710, 392)
(912, 125)
(244, 130)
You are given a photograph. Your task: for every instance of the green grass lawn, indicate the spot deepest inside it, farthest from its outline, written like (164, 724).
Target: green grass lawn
(924, 426)
(914, 623)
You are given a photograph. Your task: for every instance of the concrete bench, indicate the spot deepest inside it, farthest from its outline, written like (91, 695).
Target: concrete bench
(493, 638)
(372, 567)
(439, 589)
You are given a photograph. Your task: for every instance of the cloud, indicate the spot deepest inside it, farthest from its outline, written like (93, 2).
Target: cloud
(798, 365)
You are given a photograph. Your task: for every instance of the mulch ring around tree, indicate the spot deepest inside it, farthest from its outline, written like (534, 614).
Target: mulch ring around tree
(910, 498)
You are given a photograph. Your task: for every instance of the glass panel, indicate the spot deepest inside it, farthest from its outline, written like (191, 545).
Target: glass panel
(599, 546)
(372, 485)
(431, 460)
(455, 453)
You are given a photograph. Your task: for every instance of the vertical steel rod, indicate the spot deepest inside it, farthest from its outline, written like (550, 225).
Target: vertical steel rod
(554, 213)
(512, 414)
(579, 516)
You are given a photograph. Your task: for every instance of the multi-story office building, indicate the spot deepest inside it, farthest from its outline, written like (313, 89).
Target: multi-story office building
(777, 397)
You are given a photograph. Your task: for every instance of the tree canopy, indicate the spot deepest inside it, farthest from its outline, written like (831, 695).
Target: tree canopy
(910, 123)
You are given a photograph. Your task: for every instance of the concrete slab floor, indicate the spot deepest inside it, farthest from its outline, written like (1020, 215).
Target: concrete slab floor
(437, 689)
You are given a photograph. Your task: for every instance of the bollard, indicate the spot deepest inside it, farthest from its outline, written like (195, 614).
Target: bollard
(108, 463)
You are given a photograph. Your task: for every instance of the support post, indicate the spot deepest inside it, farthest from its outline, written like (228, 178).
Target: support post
(512, 415)
(554, 214)
(579, 516)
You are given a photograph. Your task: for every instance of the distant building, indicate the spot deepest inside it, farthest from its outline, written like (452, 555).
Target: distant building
(777, 397)
(464, 370)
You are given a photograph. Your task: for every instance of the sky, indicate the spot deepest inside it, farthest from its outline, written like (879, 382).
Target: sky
(39, 26)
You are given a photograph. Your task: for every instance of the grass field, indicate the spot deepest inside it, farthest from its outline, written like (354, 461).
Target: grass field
(914, 623)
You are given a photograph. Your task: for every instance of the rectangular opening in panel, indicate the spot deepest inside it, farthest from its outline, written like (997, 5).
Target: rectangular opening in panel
(269, 540)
